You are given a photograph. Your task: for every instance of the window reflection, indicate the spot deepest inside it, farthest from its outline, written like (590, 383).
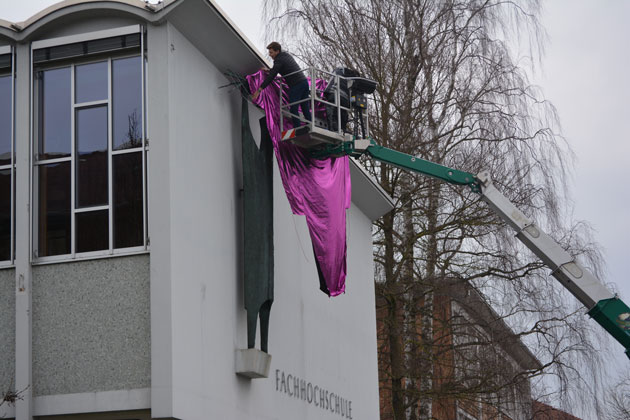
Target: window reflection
(54, 209)
(91, 135)
(55, 107)
(127, 102)
(5, 120)
(77, 134)
(91, 82)
(5, 214)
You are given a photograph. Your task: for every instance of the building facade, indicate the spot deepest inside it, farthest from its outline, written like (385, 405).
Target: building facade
(121, 230)
(476, 368)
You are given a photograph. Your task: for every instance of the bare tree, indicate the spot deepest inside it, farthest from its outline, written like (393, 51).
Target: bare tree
(133, 135)
(618, 400)
(450, 90)
(10, 397)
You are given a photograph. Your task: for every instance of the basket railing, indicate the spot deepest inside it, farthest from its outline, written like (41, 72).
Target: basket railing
(316, 97)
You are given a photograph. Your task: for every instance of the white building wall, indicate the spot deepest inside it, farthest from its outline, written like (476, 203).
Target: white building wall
(196, 258)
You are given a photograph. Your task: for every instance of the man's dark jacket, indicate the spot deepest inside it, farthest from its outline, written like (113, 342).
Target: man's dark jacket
(284, 64)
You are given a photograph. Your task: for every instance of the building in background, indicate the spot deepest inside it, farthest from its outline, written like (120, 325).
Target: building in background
(542, 411)
(121, 230)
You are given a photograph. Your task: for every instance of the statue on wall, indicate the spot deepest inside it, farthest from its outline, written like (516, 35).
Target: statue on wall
(258, 270)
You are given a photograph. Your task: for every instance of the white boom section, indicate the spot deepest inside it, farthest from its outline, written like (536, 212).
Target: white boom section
(578, 280)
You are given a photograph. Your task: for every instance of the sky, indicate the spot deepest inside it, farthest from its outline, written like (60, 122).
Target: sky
(584, 73)
(586, 78)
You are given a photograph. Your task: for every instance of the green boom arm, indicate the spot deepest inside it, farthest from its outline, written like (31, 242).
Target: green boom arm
(607, 309)
(415, 164)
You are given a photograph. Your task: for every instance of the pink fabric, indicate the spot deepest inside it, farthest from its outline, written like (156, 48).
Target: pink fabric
(318, 189)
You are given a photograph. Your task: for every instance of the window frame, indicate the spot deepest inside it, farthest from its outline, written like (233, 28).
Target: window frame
(9, 49)
(72, 63)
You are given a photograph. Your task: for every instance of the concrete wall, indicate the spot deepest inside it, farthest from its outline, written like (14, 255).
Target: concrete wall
(91, 328)
(196, 259)
(7, 329)
(328, 342)
(194, 218)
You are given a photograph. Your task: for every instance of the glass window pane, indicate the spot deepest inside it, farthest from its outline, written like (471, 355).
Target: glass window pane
(54, 209)
(91, 82)
(92, 231)
(127, 100)
(55, 107)
(127, 181)
(91, 155)
(5, 120)
(5, 215)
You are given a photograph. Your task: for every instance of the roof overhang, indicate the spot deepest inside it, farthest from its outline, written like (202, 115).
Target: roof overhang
(367, 194)
(204, 24)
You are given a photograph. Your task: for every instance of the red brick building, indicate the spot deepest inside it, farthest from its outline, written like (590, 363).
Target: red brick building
(477, 366)
(542, 411)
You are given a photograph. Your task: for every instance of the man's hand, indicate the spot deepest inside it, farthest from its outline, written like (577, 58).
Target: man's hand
(255, 95)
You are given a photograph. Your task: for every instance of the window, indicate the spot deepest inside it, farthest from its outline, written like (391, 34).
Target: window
(90, 152)
(7, 157)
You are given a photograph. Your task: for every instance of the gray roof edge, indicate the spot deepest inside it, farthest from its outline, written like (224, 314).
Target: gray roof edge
(384, 203)
(379, 202)
(248, 43)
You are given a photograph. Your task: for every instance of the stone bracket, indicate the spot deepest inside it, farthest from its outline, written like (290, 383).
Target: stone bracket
(252, 363)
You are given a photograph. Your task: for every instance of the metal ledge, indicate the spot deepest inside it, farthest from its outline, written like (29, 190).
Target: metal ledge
(309, 137)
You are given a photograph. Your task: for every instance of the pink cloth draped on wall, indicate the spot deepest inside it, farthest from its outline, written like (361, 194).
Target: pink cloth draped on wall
(319, 189)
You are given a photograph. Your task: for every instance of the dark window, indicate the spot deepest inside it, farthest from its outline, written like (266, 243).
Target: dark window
(127, 99)
(127, 200)
(5, 120)
(55, 111)
(5, 214)
(92, 230)
(91, 82)
(54, 209)
(98, 154)
(91, 157)
(6, 61)
(6, 164)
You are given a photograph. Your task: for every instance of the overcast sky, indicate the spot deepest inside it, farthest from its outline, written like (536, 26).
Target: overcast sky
(586, 78)
(585, 75)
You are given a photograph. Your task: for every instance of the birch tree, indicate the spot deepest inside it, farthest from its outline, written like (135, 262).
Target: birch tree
(451, 91)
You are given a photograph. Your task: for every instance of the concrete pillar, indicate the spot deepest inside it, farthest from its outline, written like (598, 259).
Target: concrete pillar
(23, 272)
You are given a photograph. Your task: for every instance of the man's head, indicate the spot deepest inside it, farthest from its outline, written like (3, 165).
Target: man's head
(274, 49)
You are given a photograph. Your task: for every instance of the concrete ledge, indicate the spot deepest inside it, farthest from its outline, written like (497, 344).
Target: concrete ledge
(7, 412)
(252, 363)
(92, 402)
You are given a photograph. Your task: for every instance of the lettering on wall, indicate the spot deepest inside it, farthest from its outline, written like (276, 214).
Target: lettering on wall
(312, 394)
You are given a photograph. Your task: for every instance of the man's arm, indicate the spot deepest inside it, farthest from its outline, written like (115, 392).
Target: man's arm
(277, 65)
